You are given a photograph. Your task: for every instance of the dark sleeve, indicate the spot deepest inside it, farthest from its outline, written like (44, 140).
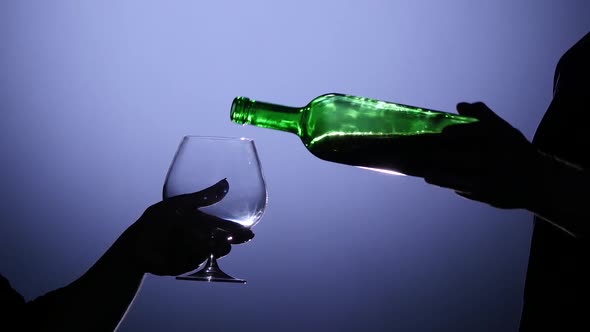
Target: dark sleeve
(573, 71)
(12, 303)
(27, 315)
(563, 130)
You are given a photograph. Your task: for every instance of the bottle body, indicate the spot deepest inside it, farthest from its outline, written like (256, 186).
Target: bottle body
(354, 130)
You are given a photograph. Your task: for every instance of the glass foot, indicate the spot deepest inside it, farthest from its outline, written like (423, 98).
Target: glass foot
(211, 273)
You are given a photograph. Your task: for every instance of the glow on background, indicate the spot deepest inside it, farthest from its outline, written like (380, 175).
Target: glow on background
(95, 97)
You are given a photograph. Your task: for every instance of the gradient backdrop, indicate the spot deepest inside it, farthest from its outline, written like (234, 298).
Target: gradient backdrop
(96, 95)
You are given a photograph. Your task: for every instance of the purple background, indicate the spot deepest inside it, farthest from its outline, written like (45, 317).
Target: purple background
(95, 97)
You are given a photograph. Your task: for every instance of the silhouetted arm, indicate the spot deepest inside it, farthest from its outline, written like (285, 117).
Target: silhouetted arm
(97, 301)
(171, 237)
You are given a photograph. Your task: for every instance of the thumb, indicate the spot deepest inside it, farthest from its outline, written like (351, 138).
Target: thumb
(479, 111)
(205, 197)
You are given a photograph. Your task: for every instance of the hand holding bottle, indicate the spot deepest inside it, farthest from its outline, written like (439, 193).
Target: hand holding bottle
(488, 160)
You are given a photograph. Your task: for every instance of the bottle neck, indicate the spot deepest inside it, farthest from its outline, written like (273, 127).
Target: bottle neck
(266, 115)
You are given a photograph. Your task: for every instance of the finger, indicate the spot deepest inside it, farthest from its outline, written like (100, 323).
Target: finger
(242, 236)
(497, 203)
(190, 249)
(203, 226)
(220, 248)
(184, 263)
(460, 158)
(459, 183)
(479, 111)
(178, 257)
(467, 195)
(466, 130)
(473, 197)
(230, 227)
(205, 197)
(476, 110)
(181, 264)
(235, 236)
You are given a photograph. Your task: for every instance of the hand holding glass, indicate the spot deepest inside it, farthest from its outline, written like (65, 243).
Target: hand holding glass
(227, 173)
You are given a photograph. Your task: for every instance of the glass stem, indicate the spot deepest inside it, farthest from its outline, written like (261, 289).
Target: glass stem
(211, 264)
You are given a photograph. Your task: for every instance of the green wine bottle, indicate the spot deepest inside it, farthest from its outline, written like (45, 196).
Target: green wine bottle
(356, 131)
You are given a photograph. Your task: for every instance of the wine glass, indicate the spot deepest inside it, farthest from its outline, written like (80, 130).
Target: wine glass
(227, 171)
